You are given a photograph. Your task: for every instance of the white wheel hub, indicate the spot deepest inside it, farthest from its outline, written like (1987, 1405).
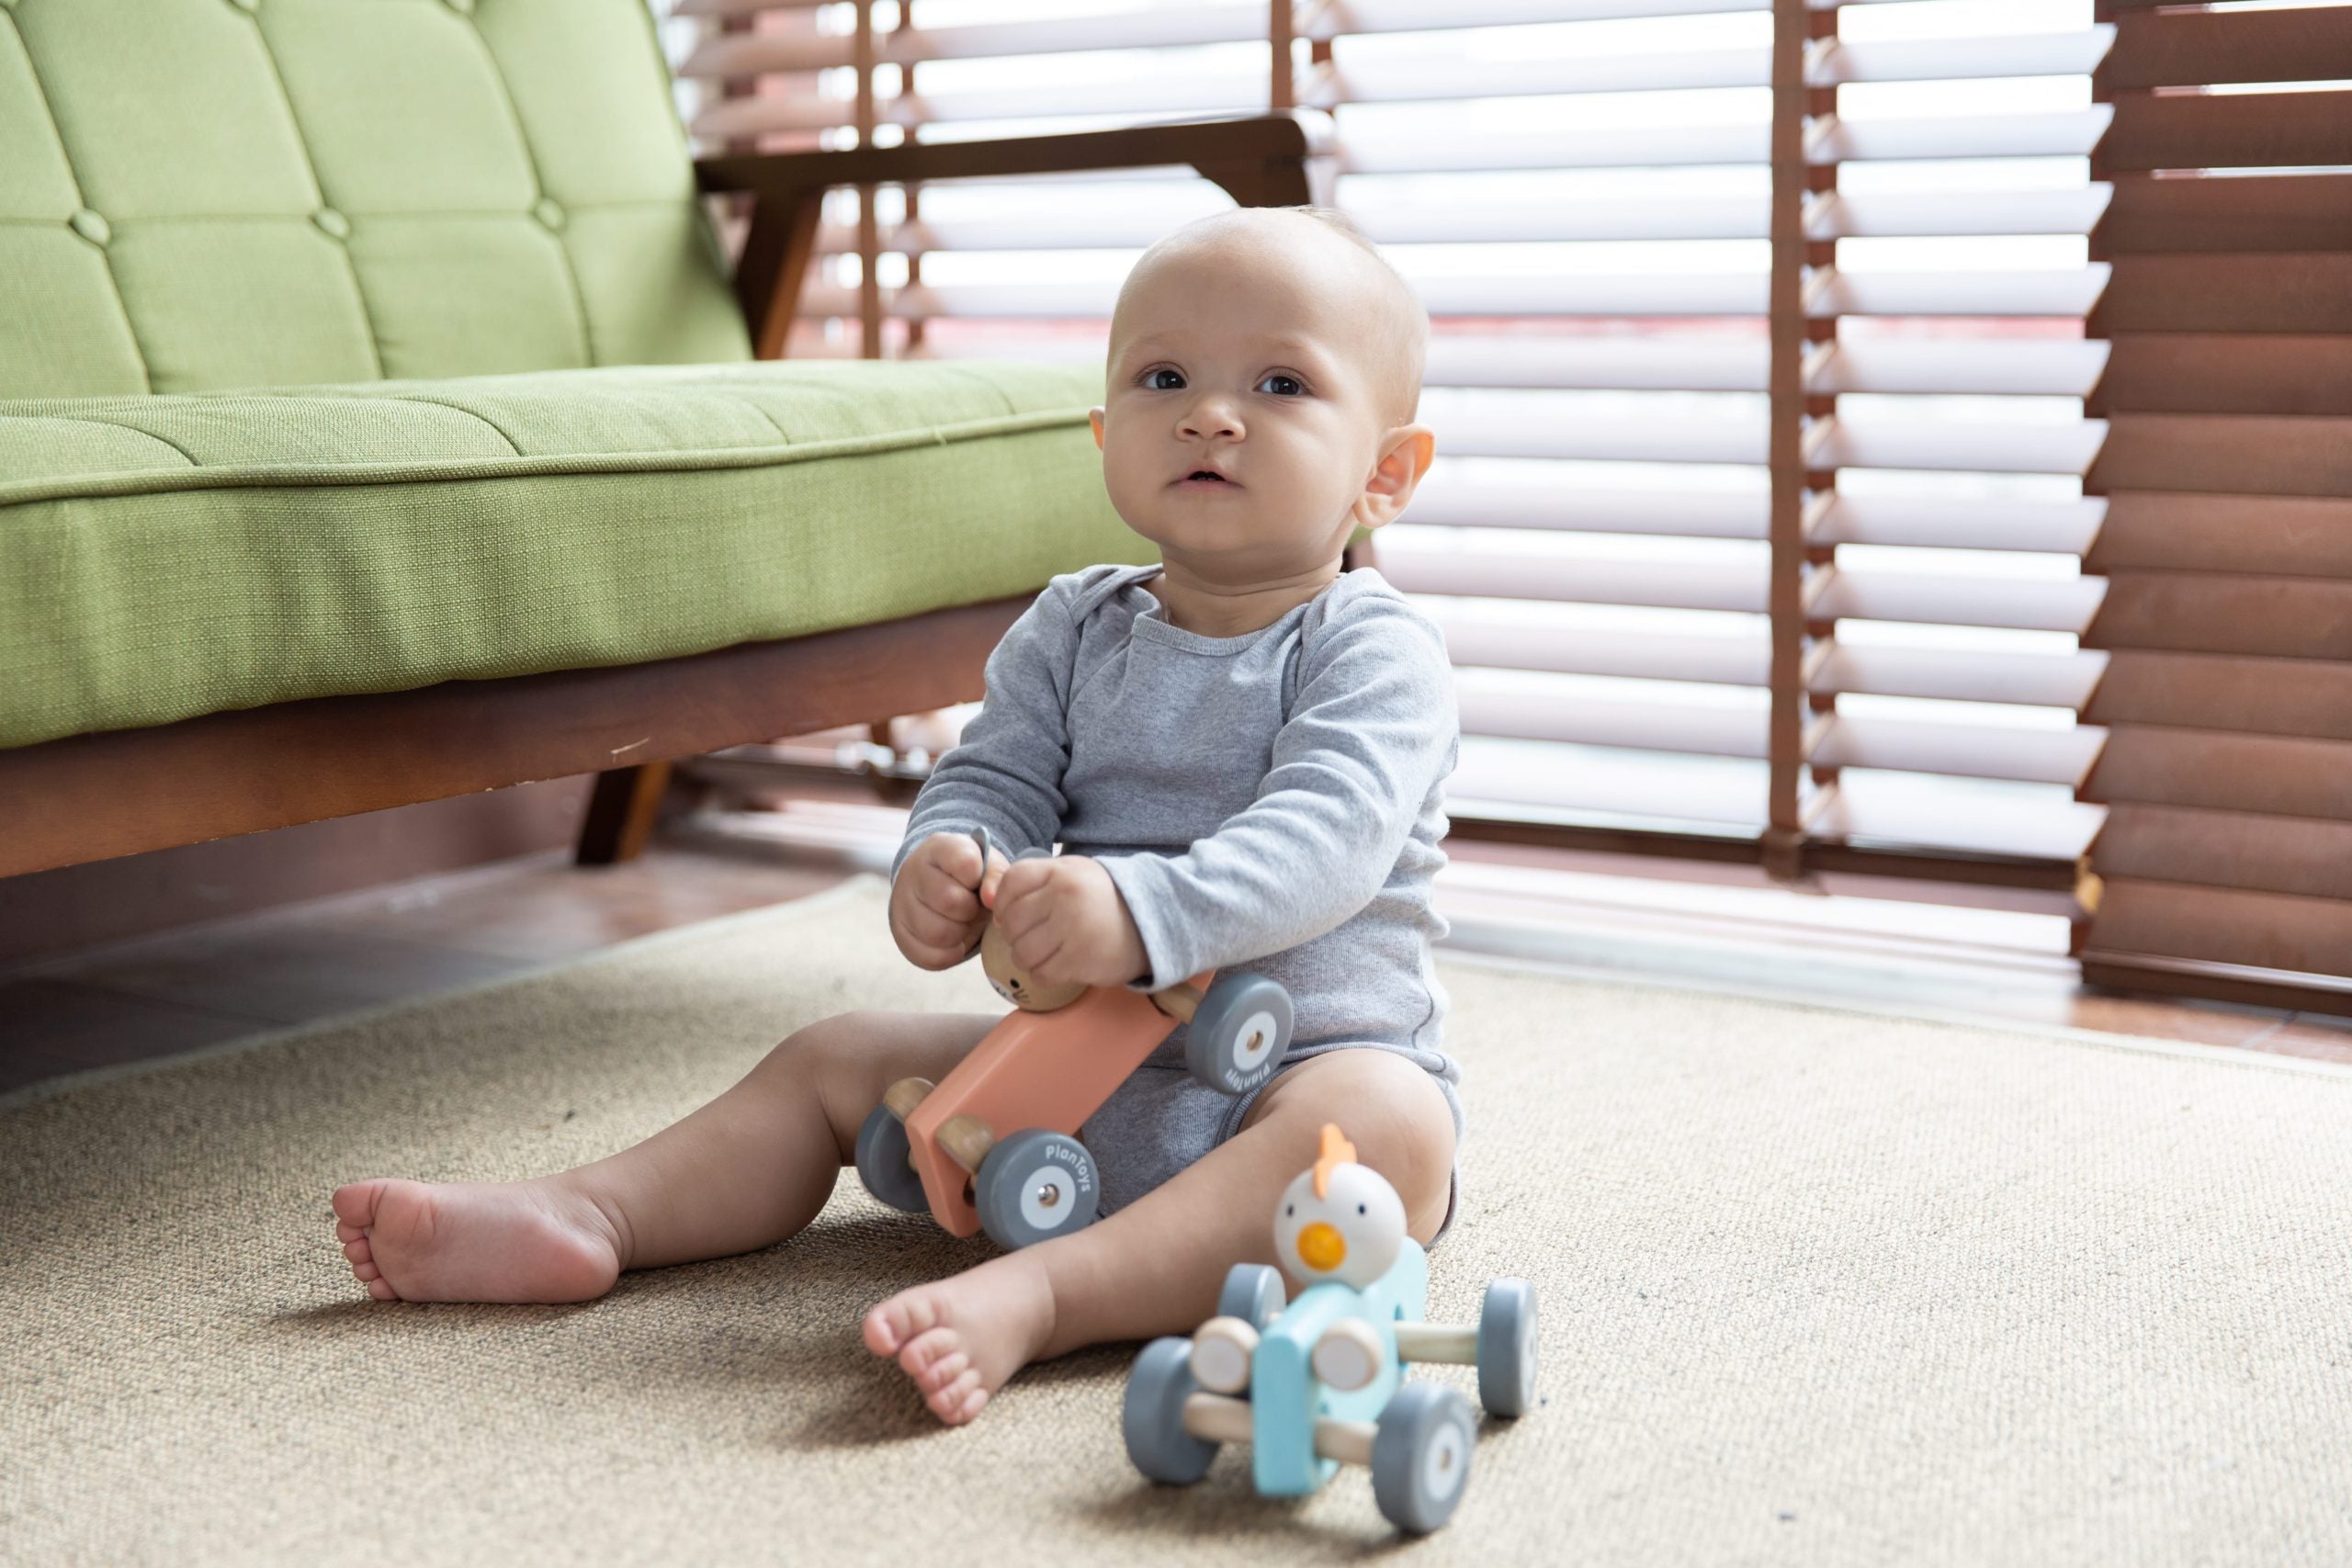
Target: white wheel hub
(1254, 1041)
(1444, 1465)
(1049, 1198)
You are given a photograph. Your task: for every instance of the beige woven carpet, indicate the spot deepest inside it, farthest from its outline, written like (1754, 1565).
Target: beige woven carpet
(1820, 1288)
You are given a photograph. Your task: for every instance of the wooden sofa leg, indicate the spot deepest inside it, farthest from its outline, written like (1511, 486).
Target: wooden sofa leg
(620, 813)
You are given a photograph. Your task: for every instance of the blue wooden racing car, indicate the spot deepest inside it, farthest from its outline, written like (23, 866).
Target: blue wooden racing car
(1320, 1382)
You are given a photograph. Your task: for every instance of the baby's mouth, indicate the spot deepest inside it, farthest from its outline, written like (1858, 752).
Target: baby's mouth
(1207, 478)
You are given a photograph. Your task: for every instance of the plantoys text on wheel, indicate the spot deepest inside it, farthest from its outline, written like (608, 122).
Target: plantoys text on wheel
(993, 1146)
(1320, 1382)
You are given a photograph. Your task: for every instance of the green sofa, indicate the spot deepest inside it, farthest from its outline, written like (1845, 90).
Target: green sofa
(378, 422)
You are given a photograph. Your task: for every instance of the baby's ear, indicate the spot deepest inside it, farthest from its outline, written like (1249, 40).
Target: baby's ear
(1095, 418)
(1406, 455)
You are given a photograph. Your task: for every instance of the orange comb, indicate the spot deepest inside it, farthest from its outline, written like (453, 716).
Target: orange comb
(1336, 1151)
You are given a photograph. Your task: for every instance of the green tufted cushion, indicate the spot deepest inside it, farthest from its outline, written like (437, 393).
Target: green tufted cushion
(204, 194)
(166, 556)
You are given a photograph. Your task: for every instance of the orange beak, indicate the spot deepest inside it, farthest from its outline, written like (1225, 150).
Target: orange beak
(1321, 1247)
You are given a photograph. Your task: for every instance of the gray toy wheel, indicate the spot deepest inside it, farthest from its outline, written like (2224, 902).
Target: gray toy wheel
(1239, 1033)
(882, 1163)
(1034, 1186)
(1420, 1456)
(1253, 1293)
(1152, 1415)
(1507, 1348)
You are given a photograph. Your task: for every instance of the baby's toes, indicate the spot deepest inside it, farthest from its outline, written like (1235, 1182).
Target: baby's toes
(925, 1350)
(960, 1400)
(943, 1371)
(357, 1250)
(891, 1326)
(355, 1203)
(381, 1291)
(366, 1271)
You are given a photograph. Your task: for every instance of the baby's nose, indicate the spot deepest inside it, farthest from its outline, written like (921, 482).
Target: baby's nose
(1212, 418)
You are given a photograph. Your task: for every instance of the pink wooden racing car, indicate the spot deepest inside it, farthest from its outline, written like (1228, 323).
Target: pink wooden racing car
(994, 1144)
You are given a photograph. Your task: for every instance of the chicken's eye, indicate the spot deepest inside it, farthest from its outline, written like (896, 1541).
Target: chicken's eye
(1359, 1209)
(1289, 1209)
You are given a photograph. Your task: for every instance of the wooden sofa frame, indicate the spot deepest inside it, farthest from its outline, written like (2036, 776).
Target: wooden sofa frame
(90, 798)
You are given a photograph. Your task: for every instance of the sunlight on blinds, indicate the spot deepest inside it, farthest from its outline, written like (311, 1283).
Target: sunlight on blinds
(1581, 189)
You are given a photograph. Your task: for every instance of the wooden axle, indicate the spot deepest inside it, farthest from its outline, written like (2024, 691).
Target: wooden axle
(968, 1140)
(905, 1095)
(1437, 1342)
(1179, 1001)
(1214, 1418)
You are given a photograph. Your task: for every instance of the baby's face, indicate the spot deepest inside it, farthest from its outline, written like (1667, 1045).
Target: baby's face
(1254, 389)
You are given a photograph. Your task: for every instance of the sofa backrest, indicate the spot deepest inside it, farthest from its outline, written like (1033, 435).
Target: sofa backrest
(198, 193)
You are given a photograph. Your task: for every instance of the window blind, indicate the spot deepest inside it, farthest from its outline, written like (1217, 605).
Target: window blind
(2227, 479)
(1778, 516)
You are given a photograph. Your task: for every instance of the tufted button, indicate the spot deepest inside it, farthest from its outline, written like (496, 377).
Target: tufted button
(90, 227)
(330, 223)
(548, 214)
(246, 4)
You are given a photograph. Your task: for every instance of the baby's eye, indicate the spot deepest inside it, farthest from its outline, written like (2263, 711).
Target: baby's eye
(1281, 386)
(1164, 380)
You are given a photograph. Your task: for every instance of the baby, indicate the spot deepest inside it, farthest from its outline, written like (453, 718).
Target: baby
(1241, 750)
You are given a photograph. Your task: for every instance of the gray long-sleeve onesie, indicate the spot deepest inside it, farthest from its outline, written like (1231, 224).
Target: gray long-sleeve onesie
(1270, 802)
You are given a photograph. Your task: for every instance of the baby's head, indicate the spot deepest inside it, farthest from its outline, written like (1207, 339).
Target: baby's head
(1265, 370)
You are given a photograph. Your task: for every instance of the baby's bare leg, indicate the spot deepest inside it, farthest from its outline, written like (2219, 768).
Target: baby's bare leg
(1155, 1266)
(745, 1171)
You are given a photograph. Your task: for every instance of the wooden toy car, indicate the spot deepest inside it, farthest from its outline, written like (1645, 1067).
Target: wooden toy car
(1320, 1382)
(994, 1144)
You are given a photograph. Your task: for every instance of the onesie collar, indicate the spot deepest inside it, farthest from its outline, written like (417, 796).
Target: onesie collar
(1152, 625)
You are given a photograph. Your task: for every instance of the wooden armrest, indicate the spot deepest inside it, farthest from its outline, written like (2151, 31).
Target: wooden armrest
(1260, 162)
(1199, 143)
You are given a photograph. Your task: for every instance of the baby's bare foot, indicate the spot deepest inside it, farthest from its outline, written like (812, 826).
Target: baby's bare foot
(961, 1338)
(492, 1241)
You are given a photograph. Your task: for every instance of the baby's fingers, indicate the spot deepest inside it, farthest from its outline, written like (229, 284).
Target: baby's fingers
(998, 866)
(943, 892)
(941, 932)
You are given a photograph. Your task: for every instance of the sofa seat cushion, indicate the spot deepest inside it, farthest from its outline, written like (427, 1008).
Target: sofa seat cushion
(166, 556)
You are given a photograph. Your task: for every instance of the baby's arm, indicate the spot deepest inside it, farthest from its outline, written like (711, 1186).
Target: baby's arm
(1005, 775)
(1373, 727)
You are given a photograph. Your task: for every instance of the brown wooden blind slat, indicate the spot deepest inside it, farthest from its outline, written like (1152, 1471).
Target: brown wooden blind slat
(2251, 131)
(2286, 775)
(2236, 612)
(2186, 48)
(2226, 372)
(2275, 696)
(2294, 292)
(2278, 535)
(2227, 849)
(2231, 454)
(2244, 212)
(2275, 931)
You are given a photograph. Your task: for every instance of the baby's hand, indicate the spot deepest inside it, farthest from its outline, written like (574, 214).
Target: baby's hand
(935, 909)
(1068, 923)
